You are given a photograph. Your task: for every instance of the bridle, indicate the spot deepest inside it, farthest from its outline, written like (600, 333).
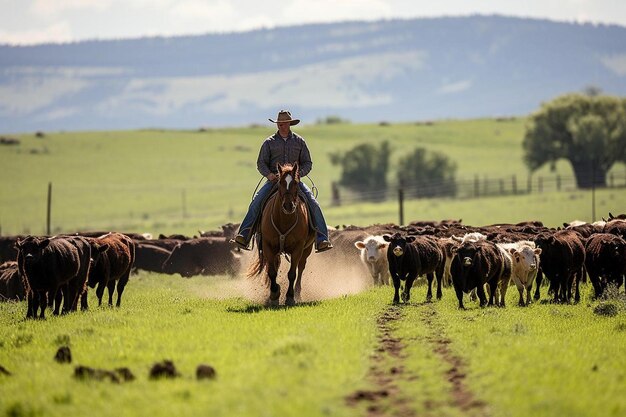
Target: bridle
(294, 204)
(281, 235)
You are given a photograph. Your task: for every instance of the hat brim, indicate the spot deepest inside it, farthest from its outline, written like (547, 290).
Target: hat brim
(292, 122)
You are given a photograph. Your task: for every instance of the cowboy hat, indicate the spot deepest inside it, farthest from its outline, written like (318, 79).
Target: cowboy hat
(285, 116)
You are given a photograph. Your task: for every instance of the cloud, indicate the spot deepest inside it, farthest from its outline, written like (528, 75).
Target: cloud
(218, 11)
(307, 11)
(335, 84)
(33, 93)
(616, 63)
(57, 32)
(457, 87)
(46, 8)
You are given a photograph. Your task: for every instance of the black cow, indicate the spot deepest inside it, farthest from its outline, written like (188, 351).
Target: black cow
(475, 264)
(562, 261)
(206, 256)
(605, 258)
(410, 257)
(150, 257)
(47, 264)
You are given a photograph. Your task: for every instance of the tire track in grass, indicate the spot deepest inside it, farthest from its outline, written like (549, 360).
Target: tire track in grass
(462, 396)
(386, 370)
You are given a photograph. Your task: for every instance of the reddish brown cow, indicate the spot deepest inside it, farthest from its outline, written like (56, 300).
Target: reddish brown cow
(11, 287)
(616, 227)
(76, 288)
(605, 260)
(8, 251)
(562, 260)
(113, 265)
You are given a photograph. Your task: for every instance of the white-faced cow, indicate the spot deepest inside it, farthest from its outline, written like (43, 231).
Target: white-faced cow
(374, 257)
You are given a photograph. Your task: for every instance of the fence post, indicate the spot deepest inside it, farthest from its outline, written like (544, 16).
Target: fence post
(49, 209)
(540, 185)
(558, 183)
(514, 184)
(501, 186)
(611, 179)
(529, 186)
(401, 204)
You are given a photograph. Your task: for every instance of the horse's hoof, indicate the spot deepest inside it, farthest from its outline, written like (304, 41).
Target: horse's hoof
(289, 301)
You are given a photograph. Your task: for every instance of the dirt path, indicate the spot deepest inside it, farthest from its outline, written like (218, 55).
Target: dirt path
(462, 396)
(387, 368)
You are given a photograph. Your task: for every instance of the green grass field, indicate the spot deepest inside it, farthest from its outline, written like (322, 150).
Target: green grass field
(349, 352)
(311, 360)
(182, 181)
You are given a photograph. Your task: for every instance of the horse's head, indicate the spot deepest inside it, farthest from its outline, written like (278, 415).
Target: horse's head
(288, 180)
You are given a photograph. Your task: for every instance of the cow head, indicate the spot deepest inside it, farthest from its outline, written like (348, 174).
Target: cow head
(398, 243)
(526, 256)
(466, 253)
(32, 247)
(544, 241)
(372, 248)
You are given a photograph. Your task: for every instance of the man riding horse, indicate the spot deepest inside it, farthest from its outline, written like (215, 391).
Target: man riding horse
(283, 147)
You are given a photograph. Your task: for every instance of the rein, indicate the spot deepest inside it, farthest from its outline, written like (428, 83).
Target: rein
(281, 236)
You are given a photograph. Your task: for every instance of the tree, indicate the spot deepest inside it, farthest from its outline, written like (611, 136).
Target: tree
(364, 168)
(588, 131)
(425, 174)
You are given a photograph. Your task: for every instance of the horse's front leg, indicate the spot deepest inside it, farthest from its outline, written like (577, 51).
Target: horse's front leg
(272, 273)
(291, 275)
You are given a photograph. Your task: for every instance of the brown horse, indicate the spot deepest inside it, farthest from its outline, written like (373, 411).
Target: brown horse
(284, 229)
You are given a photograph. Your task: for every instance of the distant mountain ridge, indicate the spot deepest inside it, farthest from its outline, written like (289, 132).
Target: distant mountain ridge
(392, 70)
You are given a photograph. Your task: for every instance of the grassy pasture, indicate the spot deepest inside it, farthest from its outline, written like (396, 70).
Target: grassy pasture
(544, 360)
(181, 181)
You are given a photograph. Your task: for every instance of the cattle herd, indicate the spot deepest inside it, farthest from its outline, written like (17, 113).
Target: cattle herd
(482, 261)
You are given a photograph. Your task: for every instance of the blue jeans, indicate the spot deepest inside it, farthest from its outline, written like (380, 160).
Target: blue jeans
(255, 210)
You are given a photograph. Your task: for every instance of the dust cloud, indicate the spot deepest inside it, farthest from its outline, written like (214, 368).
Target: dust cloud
(326, 276)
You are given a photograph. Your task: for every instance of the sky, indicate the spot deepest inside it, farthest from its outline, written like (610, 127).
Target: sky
(44, 21)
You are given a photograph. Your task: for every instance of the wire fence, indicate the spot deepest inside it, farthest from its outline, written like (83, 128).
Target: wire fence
(128, 205)
(476, 187)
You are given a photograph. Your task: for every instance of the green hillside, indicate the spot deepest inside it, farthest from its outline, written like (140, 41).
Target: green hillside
(180, 181)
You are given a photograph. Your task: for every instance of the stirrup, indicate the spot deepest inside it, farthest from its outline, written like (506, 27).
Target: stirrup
(324, 245)
(241, 244)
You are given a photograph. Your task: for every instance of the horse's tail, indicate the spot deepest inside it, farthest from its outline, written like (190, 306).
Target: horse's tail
(257, 266)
